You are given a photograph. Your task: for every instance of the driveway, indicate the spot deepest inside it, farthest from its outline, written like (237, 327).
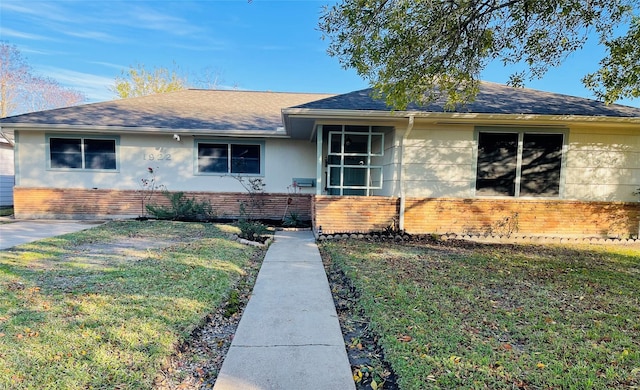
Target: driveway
(21, 232)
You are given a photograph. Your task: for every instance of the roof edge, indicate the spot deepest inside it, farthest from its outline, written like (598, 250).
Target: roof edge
(278, 133)
(437, 116)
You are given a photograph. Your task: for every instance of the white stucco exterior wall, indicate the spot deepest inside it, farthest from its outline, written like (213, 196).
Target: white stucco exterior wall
(601, 164)
(174, 163)
(439, 161)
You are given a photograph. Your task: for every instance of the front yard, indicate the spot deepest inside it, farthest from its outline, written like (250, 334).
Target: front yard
(107, 307)
(460, 315)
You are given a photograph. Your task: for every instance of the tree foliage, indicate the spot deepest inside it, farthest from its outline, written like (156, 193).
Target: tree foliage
(140, 81)
(417, 50)
(619, 73)
(22, 91)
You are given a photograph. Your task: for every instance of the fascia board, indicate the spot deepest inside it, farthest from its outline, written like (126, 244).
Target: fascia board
(145, 130)
(454, 117)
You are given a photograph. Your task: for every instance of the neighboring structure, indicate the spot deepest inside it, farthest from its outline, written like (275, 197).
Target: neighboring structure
(515, 160)
(6, 173)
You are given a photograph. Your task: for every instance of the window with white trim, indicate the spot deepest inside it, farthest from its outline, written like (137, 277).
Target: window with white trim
(519, 163)
(354, 160)
(229, 158)
(85, 153)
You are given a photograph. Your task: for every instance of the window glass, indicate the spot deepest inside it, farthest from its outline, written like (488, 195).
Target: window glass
(377, 144)
(355, 177)
(65, 152)
(334, 176)
(541, 163)
(497, 163)
(213, 158)
(375, 177)
(355, 160)
(356, 143)
(335, 143)
(354, 157)
(99, 154)
(229, 158)
(82, 153)
(245, 159)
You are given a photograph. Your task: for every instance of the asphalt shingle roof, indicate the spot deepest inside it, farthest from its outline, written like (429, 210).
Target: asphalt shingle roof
(492, 99)
(223, 110)
(187, 109)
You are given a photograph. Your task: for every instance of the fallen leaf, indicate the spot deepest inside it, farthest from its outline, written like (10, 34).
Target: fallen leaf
(404, 338)
(357, 376)
(374, 384)
(455, 359)
(507, 347)
(540, 365)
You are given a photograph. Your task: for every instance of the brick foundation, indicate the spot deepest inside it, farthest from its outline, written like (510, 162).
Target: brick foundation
(535, 217)
(112, 204)
(478, 216)
(340, 214)
(351, 214)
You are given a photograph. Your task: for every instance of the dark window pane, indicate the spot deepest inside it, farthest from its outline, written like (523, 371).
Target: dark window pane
(334, 177)
(353, 192)
(245, 159)
(355, 177)
(213, 158)
(497, 161)
(100, 154)
(355, 160)
(333, 160)
(65, 152)
(541, 163)
(356, 143)
(336, 143)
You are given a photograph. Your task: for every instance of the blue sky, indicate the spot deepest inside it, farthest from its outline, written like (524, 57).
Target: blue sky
(262, 45)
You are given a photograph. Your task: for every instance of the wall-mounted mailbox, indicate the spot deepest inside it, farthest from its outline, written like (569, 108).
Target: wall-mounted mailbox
(304, 182)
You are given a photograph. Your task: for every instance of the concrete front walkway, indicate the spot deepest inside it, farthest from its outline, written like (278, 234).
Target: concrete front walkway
(21, 232)
(289, 336)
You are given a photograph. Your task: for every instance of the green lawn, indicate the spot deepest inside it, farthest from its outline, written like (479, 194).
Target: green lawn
(6, 211)
(453, 315)
(76, 315)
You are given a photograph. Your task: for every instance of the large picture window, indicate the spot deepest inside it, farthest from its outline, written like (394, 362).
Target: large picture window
(82, 153)
(519, 164)
(229, 158)
(354, 159)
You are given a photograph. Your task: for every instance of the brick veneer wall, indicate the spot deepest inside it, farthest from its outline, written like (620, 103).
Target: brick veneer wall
(340, 214)
(536, 217)
(478, 216)
(109, 204)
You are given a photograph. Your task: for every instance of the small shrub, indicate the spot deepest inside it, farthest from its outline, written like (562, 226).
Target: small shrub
(252, 230)
(292, 220)
(182, 208)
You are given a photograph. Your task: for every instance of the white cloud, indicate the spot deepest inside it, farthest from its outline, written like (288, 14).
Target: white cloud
(40, 10)
(109, 65)
(151, 19)
(94, 86)
(10, 33)
(94, 35)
